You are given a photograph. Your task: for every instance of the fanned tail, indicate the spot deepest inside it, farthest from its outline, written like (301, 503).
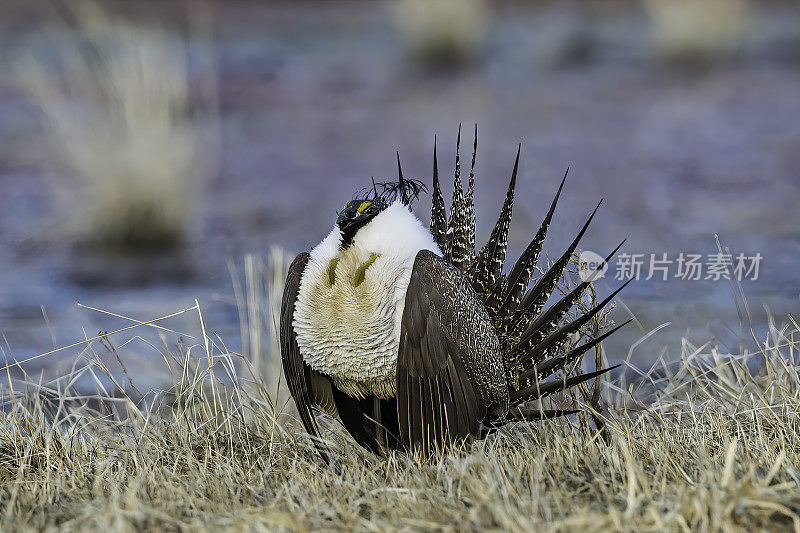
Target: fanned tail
(520, 276)
(486, 276)
(438, 211)
(470, 202)
(534, 299)
(530, 351)
(534, 338)
(458, 230)
(554, 364)
(541, 390)
(534, 326)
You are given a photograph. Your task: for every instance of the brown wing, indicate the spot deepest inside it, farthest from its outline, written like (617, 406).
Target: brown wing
(437, 400)
(297, 372)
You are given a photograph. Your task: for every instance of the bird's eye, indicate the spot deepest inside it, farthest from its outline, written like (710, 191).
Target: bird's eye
(364, 206)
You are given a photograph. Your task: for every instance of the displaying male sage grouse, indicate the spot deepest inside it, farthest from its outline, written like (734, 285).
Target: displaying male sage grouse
(412, 337)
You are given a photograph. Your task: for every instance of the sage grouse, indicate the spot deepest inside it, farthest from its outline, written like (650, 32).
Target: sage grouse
(412, 337)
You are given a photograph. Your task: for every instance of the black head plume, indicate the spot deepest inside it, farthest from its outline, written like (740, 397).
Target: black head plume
(405, 190)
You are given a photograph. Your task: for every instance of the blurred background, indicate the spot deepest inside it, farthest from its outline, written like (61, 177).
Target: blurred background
(157, 152)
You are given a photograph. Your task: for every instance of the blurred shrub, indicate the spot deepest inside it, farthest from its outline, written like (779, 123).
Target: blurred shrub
(443, 32)
(696, 31)
(116, 105)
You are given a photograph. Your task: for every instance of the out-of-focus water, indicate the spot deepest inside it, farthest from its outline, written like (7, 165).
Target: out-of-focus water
(316, 98)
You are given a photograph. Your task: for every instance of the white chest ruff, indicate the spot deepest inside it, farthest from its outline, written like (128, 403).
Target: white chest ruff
(350, 330)
(352, 333)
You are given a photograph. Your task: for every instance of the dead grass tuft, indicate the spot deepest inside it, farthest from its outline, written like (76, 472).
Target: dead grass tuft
(443, 32)
(118, 105)
(697, 31)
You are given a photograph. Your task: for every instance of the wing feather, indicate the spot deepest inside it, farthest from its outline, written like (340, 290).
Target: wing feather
(295, 369)
(437, 401)
(461, 424)
(417, 421)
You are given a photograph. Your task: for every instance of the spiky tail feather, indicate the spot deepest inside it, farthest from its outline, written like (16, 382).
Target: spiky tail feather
(534, 338)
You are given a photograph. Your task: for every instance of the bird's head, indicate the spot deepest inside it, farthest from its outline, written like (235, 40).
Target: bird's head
(369, 203)
(357, 214)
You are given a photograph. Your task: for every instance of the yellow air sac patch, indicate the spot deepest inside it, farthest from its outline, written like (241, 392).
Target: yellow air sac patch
(361, 271)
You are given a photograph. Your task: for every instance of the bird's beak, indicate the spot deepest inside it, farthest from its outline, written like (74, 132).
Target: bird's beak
(352, 220)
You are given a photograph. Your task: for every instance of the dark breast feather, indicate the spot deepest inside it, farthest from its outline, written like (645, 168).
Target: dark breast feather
(365, 420)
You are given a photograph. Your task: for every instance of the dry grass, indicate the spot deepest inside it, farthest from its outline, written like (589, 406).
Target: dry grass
(258, 299)
(117, 104)
(699, 444)
(697, 31)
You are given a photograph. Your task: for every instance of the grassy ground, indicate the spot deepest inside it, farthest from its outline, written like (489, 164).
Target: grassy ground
(699, 444)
